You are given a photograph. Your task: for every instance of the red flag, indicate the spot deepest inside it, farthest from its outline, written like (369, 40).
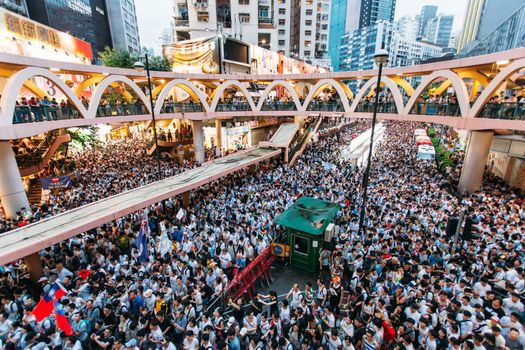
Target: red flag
(60, 291)
(62, 321)
(43, 309)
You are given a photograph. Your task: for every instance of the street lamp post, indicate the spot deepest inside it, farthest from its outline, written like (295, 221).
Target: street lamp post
(380, 58)
(140, 67)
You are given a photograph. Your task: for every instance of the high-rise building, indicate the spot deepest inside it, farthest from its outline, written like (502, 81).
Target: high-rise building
(490, 27)
(439, 29)
(406, 52)
(297, 28)
(497, 34)
(470, 28)
(17, 6)
(427, 13)
(123, 25)
(84, 19)
(373, 11)
(407, 27)
(358, 48)
(344, 18)
(248, 20)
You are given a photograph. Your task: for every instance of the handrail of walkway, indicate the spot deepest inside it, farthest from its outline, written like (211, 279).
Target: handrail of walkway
(30, 239)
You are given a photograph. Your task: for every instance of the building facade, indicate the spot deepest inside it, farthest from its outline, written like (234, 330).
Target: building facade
(427, 13)
(248, 20)
(373, 11)
(17, 6)
(358, 48)
(407, 52)
(87, 20)
(508, 35)
(297, 28)
(470, 26)
(123, 25)
(439, 29)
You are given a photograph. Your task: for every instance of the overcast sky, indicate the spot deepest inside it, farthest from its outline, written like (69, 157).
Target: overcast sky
(155, 15)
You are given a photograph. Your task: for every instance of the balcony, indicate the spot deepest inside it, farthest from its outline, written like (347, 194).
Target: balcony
(200, 4)
(182, 22)
(265, 22)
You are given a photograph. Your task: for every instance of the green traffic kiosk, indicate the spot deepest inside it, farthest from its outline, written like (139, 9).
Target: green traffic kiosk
(307, 221)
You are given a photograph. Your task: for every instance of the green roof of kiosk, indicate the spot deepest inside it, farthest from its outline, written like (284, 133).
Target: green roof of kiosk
(309, 215)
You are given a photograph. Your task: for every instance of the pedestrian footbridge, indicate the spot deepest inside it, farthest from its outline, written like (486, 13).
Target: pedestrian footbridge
(464, 93)
(31, 239)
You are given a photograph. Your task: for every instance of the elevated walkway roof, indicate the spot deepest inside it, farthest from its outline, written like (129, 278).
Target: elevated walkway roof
(283, 136)
(24, 241)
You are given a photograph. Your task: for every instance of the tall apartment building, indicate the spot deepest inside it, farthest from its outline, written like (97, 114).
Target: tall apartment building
(407, 27)
(438, 30)
(344, 18)
(427, 13)
(299, 28)
(123, 25)
(248, 20)
(373, 11)
(406, 52)
(358, 48)
(17, 6)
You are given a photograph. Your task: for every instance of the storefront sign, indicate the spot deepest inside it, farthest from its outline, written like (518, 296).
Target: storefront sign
(55, 183)
(22, 36)
(194, 56)
(237, 130)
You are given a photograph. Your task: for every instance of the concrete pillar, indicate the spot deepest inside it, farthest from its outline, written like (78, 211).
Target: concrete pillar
(12, 193)
(218, 129)
(186, 200)
(475, 160)
(34, 266)
(198, 140)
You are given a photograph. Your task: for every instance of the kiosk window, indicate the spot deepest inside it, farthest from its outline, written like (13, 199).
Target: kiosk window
(301, 245)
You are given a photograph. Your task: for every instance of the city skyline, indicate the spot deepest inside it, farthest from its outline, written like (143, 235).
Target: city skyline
(151, 24)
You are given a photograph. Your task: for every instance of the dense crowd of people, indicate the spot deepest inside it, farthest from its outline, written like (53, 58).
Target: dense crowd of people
(118, 165)
(398, 284)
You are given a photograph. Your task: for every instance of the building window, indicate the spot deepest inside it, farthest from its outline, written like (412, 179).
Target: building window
(244, 2)
(323, 37)
(282, 42)
(309, 12)
(282, 32)
(324, 26)
(307, 53)
(263, 12)
(282, 22)
(309, 2)
(308, 22)
(307, 43)
(203, 16)
(308, 33)
(282, 11)
(244, 17)
(282, 1)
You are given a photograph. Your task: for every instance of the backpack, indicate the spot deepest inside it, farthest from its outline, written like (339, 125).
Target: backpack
(88, 325)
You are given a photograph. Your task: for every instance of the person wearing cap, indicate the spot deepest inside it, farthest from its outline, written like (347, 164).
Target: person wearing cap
(131, 345)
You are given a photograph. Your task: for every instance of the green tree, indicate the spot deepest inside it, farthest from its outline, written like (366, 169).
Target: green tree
(159, 63)
(116, 58)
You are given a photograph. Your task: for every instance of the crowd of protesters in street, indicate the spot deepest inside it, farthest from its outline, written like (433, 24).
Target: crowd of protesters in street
(398, 284)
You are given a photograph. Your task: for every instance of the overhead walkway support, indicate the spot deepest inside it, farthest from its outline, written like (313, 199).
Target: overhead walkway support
(282, 138)
(31, 239)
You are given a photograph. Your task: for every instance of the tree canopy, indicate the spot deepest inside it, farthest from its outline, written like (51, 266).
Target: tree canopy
(123, 59)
